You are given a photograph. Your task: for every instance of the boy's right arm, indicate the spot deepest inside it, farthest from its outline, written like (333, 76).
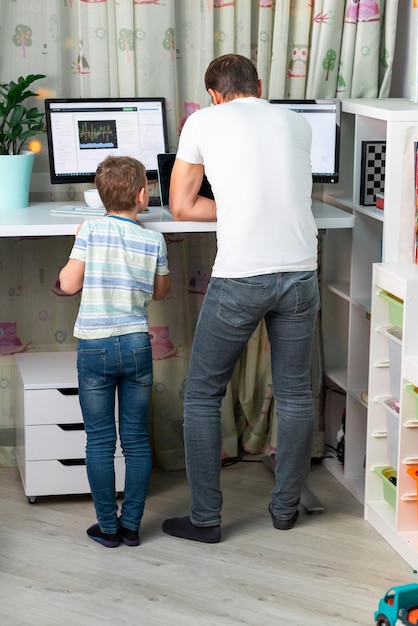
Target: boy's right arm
(185, 203)
(161, 287)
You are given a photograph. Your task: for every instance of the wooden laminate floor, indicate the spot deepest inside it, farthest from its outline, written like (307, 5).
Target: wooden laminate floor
(330, 569)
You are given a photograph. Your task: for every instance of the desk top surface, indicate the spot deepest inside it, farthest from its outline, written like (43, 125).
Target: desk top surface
(37, 220)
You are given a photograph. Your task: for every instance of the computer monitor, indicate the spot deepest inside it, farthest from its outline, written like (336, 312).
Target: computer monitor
(82, 132)
(324, 116)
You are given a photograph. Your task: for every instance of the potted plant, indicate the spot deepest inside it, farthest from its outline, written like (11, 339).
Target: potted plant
(18, 123)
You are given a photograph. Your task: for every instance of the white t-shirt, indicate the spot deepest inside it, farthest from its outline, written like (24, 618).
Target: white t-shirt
(257, 158)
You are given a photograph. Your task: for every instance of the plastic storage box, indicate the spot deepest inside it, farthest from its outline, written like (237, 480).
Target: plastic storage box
(414, 393)
(389, 488)
(395, 308)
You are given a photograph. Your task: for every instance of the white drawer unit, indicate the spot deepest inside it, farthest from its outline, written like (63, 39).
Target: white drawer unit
(50, 436)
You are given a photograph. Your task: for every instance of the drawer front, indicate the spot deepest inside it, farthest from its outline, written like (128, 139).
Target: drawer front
(49, 406)
(51, 478)
(57, 441)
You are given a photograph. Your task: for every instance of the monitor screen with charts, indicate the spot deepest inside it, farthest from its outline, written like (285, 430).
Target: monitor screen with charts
(82, 132)
(324, 116)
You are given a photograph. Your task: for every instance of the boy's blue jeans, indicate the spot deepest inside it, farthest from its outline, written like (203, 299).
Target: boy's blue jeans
(124, 364)
(230, 313)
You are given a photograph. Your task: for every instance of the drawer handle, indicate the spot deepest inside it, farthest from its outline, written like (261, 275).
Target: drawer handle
(68, 391)
(69, 427)
(69, 462)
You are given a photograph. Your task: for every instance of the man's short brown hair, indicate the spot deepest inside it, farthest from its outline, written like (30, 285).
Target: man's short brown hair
(232, 75)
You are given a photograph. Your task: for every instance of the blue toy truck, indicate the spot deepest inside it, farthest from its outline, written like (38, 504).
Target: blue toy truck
(399, 606)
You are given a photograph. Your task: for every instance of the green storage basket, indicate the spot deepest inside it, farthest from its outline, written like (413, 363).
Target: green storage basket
(395, 308)
(414, 393)
(389, 489)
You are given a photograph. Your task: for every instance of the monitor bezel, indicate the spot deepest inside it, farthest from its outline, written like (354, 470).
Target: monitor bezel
(89, 178)
(329, 177)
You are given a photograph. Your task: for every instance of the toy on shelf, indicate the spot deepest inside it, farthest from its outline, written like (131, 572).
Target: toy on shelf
(398, 606)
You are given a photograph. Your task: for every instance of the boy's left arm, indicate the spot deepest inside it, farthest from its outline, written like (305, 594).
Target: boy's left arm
(71, 276)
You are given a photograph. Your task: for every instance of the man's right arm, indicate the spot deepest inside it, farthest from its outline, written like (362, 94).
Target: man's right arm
(185, 204)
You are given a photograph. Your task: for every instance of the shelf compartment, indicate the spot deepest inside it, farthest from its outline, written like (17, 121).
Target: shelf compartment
(410, 364)
(358, 353)
(360, 395)
(364, 303)
(335, 323)
(413, 472)
(394, 349)
(354, 483)
(338, 375)
(382, 516)
(340, 288)
(392, 429)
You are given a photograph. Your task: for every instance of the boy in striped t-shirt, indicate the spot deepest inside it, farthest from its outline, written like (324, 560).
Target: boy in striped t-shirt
(120, 266)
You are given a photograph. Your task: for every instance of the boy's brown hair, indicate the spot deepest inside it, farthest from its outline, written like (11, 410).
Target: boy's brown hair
(118, 181)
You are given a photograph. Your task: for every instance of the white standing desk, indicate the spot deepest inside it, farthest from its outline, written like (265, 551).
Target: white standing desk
(37, 220)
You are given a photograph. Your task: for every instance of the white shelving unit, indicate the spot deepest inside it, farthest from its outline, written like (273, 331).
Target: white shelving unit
(348, 258)
(394, 517)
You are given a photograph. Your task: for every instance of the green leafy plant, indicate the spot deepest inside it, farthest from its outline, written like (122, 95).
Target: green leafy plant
(17, 122)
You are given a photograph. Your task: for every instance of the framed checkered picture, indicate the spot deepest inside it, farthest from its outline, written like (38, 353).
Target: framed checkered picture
(373, 157)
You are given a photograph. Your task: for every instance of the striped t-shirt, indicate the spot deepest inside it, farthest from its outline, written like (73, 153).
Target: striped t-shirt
(121, 260)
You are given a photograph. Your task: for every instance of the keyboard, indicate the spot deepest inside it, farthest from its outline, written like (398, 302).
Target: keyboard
(79, 211)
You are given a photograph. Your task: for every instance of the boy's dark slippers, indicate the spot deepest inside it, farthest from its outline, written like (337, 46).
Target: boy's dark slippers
(107, 540)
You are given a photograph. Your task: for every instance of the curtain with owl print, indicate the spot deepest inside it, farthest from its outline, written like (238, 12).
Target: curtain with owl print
(111, 48)
(324, 49)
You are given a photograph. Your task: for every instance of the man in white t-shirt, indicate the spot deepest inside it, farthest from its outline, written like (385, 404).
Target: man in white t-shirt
(256, 156)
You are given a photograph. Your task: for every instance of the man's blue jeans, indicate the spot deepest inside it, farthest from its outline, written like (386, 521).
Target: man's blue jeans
(230, 313)
(124, 364)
